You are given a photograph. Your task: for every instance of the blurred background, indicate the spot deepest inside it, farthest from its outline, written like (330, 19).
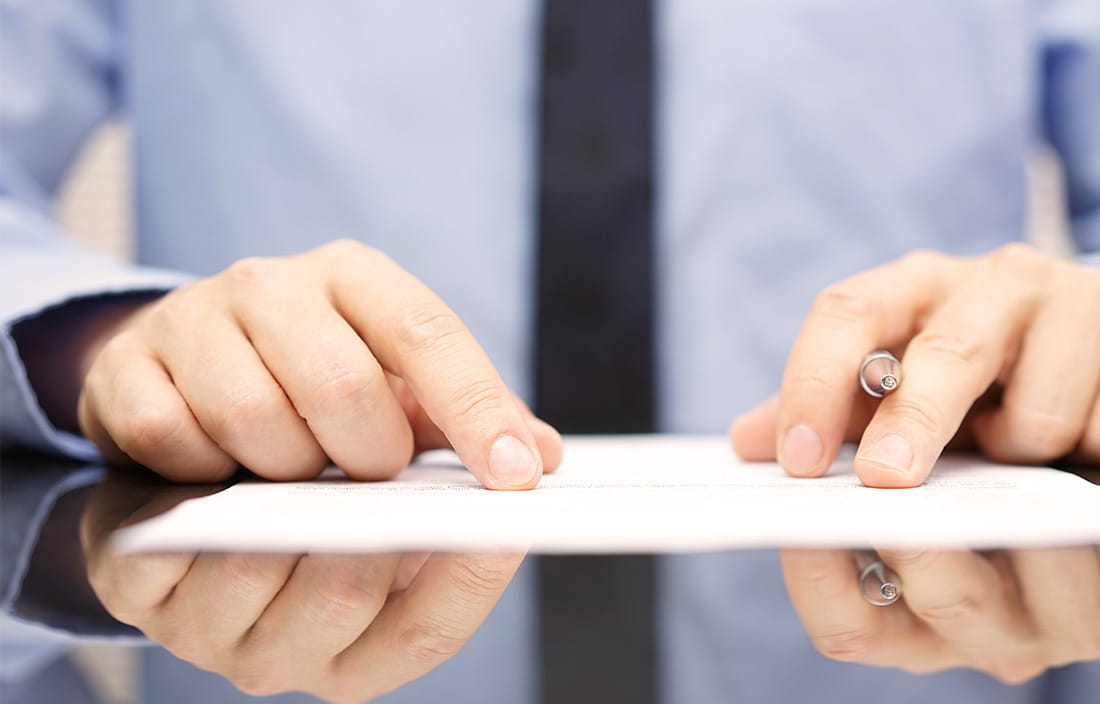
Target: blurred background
(95, 206)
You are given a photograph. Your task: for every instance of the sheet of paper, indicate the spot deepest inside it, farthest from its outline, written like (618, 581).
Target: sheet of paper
(641, 494)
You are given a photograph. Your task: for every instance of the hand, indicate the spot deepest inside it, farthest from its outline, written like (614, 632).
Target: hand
(1011, 614)
(1005, 347)
(282, 364)
(341, 627)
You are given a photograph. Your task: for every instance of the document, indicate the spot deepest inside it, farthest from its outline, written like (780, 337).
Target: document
(635, 494)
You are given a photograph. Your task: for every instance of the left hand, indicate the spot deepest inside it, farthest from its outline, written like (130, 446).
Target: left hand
(1014, 321)
(1011, 614)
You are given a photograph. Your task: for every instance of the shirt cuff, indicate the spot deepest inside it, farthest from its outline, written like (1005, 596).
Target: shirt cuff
(38, 279)
(33, 487)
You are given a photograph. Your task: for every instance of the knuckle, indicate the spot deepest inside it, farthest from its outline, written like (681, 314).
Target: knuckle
(479, 578)
(922, 258)
(817, 578)
(1016, 261)
(175, 315)
(920, 411)
(1015, 670)
(812, 381)
(260, 683)
(150, 432)
(114, 585)
(429, 642)
(344, 248)
(249, 271)
(341, 595)
(429, 328)
(909, 559)
(241, 412)
(197, 648)
(1043, 436)
(1014, 255)
(341, 388)
(186, 647)
(852, 645)
(340, 693)
(118, 605)
(957, 348)
(246, 576)
(183, 298)
(954, 608)
(919, 668)
(843, 301)
(478, 400)
(121, 346)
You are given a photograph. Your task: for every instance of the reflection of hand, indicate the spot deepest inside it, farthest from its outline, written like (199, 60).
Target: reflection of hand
(1011, 614)
(1015, 318)
(279, 364)
(341, 627)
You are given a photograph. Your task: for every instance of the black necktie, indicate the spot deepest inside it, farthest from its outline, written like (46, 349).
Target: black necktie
(594, 351)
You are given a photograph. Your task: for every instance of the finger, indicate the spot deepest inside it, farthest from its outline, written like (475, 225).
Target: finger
(407, 568)
(430, 437)
(131, 586)
(547, 438)
(239, 404)
(878, 308)
(426, 434)
(948, 365)
(133, 412)
(549, 441)
(217, 602)
(417, 337)
(325, 606)
(1088, 450)
(1061, 589)
(964, 598)
(330, 375)
(752, 434)
(824, 588)
(1049, 396)
(424, 625)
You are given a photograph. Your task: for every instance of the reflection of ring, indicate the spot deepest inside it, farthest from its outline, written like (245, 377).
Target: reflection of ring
(880, 373)
(878, 583)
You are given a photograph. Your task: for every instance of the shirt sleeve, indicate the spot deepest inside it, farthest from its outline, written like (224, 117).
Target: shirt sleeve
(42, 580)
(1070, 111)
(57, 85)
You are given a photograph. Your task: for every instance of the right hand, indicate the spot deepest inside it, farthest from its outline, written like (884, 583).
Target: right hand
(341, 627)
(284, 364)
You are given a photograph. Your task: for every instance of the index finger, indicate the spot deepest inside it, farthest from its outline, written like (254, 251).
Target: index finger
(878, 308)
(415, 336)
(426, 624)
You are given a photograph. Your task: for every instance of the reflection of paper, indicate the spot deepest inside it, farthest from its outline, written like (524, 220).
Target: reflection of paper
(647, 494)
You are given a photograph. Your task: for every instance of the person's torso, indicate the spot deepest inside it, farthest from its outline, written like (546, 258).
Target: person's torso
(798, 142)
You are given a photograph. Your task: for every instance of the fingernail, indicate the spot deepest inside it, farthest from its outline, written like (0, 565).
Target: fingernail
(890, 452)
(801, 450)
(511, 463)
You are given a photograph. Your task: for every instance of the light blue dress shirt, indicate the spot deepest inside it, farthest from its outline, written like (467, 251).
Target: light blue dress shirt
(799, 141)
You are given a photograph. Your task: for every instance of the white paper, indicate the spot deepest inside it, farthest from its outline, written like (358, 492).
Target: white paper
(636, 494)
